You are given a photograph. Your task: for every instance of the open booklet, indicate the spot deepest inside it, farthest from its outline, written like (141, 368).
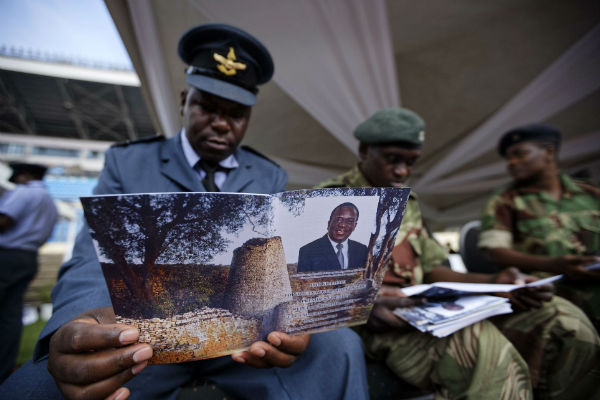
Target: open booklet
(206, 274)
(453, 305)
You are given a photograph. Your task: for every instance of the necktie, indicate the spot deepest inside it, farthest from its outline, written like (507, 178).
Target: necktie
(340, 255)
(209, 179)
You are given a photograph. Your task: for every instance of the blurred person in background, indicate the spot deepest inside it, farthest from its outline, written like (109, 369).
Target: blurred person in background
(27, 218)
(544, 222)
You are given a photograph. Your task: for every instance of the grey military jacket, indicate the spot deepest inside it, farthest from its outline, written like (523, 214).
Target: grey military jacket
(147, 166)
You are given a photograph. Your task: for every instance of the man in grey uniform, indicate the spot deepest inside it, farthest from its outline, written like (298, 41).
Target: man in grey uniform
(88, 355)
(27, 218)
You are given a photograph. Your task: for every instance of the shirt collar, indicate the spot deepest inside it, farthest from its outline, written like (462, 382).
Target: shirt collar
(192, 157)
(334, 243)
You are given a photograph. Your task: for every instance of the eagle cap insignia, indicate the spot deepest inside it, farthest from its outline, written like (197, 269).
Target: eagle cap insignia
(228, 66)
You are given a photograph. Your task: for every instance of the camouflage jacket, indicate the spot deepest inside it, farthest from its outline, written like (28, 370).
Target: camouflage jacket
(532, 222)
(415, 252)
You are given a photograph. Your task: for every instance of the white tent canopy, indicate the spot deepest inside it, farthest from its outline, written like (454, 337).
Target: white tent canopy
(471, 69)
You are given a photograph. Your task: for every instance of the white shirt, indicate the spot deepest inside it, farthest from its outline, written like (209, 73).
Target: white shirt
(344, 250)
(192, 159)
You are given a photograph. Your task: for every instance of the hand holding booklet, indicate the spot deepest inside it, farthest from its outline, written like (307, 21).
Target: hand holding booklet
(207, 274)
(453, 305)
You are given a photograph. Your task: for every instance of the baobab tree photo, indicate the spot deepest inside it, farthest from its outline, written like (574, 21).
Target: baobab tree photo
(137, 233)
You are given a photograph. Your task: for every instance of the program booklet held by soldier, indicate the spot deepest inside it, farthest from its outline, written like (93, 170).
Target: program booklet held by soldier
(207, 274)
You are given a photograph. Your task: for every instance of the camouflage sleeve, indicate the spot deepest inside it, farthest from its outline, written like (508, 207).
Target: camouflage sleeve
(497, 223)
(430, 253)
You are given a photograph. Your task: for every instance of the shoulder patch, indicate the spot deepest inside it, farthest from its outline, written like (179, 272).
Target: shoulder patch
(147, 139)
(251, 150)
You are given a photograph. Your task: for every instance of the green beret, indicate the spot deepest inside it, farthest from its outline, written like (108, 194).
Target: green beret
(392, 125)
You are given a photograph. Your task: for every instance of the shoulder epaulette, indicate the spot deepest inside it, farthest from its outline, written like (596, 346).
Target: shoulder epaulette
(251, 150)
(147, 139)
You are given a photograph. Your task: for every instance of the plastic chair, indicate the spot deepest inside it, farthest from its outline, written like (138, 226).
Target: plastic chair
(472, 256)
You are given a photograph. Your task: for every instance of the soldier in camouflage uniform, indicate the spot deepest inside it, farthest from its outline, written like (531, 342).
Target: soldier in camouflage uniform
(547, 348)
(545, 222)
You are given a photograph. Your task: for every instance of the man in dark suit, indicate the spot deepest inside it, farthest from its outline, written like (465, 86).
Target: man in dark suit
(334, 251)
(87, 354)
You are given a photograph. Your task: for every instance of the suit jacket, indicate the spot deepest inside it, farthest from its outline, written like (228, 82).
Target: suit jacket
(319, 255)
(146, 166)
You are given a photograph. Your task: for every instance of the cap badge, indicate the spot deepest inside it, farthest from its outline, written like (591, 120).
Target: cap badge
(421, 136)
(228, 66)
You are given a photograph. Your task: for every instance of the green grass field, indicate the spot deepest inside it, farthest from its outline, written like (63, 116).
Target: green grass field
(28, 339)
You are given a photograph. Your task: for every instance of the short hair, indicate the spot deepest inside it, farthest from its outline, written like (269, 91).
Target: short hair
(346, 204)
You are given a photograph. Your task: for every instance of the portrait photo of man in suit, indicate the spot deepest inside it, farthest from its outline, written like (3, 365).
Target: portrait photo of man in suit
(334, 251)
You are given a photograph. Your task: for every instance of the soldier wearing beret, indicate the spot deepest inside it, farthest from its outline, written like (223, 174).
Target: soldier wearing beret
(88, 355)
(27, 218)
(544, 221)
(490, 359)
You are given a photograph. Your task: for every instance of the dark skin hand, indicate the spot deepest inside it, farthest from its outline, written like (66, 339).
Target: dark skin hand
(573, 267)
(91, 357)
(280, 350)
(525, 298)
(382, 318)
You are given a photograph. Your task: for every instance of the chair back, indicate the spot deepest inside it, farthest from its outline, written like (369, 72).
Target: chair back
(472, 256)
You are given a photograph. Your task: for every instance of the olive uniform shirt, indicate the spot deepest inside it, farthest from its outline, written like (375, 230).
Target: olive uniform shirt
(530, 221)
(483, 360)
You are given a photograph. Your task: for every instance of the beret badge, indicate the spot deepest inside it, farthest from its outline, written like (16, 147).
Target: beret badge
(228, 66)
